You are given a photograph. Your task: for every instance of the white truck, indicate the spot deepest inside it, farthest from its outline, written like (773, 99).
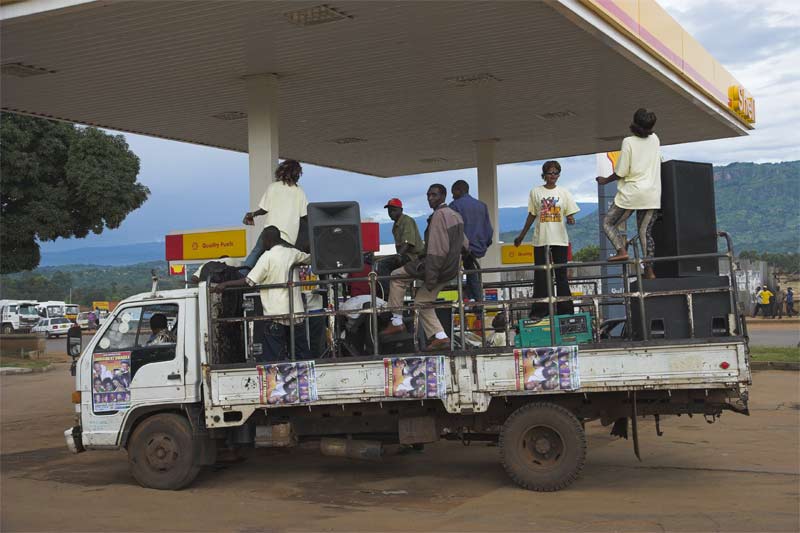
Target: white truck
(52, 309)
(171, 405)
(18, 316)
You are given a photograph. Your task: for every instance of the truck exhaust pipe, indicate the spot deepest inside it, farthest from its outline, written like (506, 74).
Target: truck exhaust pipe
(367, 450)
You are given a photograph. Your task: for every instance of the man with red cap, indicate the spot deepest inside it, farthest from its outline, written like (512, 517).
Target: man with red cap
(407, 242)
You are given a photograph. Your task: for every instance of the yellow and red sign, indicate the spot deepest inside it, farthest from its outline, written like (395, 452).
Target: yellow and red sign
(742, 103)
(206, 245)
(516, 255)
(177, 270)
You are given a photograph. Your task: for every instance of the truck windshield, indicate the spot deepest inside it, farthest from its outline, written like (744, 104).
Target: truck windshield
(55, 310)
(28, 310)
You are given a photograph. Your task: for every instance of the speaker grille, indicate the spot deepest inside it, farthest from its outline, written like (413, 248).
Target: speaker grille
(337, 249)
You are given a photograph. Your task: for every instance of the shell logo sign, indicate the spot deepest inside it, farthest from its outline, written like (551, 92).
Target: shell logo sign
(516, 255)
(206, 245)
(742, 103)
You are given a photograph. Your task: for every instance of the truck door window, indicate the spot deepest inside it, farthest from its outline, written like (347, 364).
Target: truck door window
(121, 335)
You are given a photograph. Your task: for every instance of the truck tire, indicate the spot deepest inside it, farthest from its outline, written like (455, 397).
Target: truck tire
(543, 447)
(7, 329)
(161, 452)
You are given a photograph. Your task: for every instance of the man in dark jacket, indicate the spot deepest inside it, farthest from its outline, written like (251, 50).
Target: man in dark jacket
(444, 243)
(477, 228)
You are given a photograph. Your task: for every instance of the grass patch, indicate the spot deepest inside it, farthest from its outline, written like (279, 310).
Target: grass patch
(774, 353)
(23, 363)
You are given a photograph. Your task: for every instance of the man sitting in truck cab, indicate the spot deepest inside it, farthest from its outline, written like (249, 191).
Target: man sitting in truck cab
(273, 267)
(161, 333)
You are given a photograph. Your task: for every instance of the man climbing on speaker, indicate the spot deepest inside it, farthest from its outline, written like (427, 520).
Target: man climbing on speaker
(407, 242)
(477, 228)
(638, 170)
(284, 203)
(444, 243)
(273, 268)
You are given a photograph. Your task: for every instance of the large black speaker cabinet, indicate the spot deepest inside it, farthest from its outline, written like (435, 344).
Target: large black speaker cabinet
(687, 223)
(335, 237)
(667, 317)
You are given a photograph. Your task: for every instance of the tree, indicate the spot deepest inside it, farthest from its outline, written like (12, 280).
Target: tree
(60, 180)
(587, 253)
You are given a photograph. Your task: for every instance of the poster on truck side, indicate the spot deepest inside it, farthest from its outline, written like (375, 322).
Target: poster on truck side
(414, 377)
(287, 383)
(547, 368)
(111, 381)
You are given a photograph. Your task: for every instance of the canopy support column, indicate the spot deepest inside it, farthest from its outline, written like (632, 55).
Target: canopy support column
(262, 139)
(487, 193)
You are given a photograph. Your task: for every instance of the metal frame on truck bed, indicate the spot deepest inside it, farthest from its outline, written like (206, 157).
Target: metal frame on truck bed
(534, 401)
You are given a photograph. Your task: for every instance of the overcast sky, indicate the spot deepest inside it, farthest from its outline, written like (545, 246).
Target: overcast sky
(757, 41)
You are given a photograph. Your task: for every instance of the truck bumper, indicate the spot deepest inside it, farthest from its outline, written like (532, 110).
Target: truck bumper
(73, 438)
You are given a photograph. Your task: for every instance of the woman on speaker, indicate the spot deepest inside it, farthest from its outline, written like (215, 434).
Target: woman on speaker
(638, 170)
(284, 202)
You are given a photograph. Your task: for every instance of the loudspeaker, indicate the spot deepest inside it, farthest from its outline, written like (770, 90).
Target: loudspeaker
(335, 237)
(687, 223)
(668, 316)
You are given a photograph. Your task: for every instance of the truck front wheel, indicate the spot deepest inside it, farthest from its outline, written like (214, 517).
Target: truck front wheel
(543, 447)
(161, 452)
(7, 329)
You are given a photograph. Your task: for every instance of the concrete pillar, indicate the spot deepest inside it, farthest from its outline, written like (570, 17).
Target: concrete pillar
(262, 139)
(487, 193)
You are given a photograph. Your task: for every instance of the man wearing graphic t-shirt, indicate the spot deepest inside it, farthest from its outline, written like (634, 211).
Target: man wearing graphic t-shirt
(552, 206)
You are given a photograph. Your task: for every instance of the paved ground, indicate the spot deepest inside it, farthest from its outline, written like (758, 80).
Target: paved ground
(740, 474)
(774, 332)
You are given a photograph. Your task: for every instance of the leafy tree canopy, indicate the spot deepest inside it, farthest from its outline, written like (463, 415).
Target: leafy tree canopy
(60, 180)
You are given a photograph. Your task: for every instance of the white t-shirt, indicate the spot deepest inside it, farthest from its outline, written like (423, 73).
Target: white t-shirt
(639, 166)
(273, 267)
(551, 207)
(284, 204)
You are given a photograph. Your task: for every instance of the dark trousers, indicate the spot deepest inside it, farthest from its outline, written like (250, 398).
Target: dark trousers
(473, 290)
(789, 308)
(760, 307)
(276, 342)
(559, 255)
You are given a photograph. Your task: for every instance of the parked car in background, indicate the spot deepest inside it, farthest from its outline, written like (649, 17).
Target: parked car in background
(53, 327)
(83, 321)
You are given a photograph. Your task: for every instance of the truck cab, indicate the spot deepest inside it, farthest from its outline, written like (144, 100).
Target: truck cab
(18, 316)
(51, 309)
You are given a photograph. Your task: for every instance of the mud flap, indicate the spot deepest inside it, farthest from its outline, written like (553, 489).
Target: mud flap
(635, 427)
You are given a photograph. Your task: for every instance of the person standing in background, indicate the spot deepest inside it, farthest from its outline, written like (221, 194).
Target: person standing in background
(478, 229)
(790, 302)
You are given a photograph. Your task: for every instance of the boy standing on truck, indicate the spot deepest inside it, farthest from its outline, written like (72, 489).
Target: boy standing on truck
(273, 267)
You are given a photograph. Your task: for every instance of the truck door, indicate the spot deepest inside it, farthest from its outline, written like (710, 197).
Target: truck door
(138, 360)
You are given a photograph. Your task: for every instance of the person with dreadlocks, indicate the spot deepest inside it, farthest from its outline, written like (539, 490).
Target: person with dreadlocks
(284, 203)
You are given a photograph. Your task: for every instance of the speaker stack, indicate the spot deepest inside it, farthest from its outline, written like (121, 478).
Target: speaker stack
(335, 237)
(686, 224)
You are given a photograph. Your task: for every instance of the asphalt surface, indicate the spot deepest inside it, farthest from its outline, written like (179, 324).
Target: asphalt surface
(774, 333)
(740, 474)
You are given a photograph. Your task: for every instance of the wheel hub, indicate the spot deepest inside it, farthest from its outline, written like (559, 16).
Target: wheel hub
(162, 452)
(544, 446)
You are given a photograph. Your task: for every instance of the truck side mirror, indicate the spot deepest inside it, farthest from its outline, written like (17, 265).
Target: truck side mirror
(74, 340)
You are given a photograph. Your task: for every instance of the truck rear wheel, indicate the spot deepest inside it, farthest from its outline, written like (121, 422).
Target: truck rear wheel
(543, 447)
(161, 452)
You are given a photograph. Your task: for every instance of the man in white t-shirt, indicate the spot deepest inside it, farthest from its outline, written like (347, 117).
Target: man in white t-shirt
(273, 267)
(552, 206)
(639, 173)
(284, 203)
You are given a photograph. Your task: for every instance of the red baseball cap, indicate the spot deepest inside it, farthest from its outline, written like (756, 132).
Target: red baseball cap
(394, 202)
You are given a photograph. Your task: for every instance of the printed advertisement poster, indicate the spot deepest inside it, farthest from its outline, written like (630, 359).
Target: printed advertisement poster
(287, 383)
(111, 380)
(414, 377)
(548, 368)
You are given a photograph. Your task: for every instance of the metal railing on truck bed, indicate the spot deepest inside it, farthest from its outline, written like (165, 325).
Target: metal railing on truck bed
(507, 302)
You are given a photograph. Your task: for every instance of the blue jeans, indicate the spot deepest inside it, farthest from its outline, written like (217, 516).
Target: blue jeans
(473, 290)
(255, 253)
(276, 342)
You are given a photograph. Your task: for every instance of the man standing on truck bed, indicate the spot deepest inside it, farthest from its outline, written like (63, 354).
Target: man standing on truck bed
(407, 242)
(444, 243)
(477, 228)
(273, 267)
(284, 203)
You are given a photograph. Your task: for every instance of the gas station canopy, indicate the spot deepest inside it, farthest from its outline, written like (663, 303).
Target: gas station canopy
(384, 88)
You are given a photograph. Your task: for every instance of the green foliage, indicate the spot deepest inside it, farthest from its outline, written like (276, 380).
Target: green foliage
(587, 253)
(775, 353)
(88, 283)
(786, 263)
(60, 180)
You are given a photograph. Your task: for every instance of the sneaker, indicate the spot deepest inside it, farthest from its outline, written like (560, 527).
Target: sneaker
(393, 330)
(438, 344)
